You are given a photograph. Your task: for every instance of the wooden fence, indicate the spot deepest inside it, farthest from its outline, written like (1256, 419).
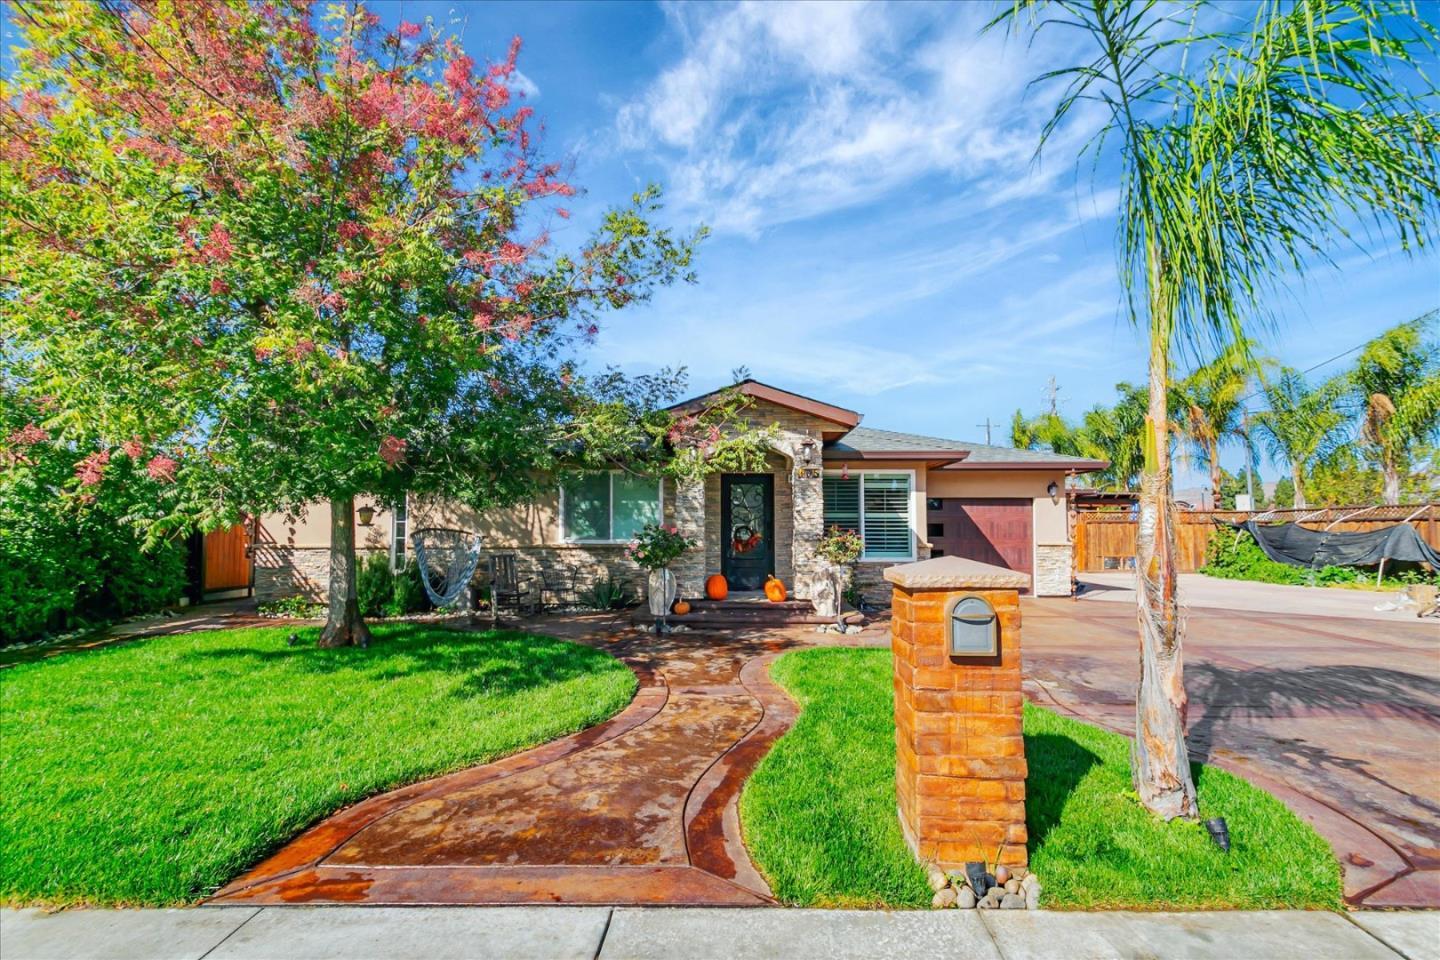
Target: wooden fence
(1105, 539)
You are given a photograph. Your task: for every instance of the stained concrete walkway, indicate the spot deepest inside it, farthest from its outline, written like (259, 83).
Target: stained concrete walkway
(638, 810)
(1339, 716)
(587, 933)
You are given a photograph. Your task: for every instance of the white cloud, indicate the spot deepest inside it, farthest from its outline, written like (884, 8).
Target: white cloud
(521, 84)
(776, 112)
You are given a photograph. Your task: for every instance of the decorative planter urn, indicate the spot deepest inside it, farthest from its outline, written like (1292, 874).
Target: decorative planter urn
(661, 588)
(826, 592)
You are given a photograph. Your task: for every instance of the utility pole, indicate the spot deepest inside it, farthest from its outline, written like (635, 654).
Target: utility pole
(1249, 458)
(1052, 395)
(986, 425)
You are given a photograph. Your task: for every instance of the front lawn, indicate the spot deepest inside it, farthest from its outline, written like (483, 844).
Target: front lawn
(154, 772)
(819, 814)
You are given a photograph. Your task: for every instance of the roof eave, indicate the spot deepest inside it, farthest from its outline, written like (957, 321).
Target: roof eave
(942, 456)
(1068, 466)
(849, 419)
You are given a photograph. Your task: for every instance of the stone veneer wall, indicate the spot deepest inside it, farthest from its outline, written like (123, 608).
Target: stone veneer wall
(282, 571)
(1053, 564)
(304, 571)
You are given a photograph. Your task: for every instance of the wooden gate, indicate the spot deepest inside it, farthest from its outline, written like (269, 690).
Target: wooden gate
(225, 560)
(1105, 540)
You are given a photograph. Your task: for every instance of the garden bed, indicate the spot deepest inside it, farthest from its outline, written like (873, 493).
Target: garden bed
(152, 773)
(819, 814)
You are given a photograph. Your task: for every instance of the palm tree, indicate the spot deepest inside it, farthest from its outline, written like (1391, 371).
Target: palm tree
(1236, 166)
(1213, 401)
(1397, 381)
(1119, 432)
(1299, 425)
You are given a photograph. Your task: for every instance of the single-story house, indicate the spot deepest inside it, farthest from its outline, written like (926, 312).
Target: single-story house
(909, 496)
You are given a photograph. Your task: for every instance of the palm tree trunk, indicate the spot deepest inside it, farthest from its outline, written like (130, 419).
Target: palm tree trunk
(344, 626)
(1214, 454)
(1297, 474)
(1391, 490)
(1159, 759)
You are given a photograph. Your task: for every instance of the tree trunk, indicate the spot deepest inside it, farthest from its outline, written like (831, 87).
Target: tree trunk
(343, 625)
(1214, 453)
(1159, 758)
(1391, 490)
(1297, 474)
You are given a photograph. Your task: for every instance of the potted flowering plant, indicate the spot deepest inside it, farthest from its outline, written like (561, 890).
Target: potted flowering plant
(654, 548)
(839, 549)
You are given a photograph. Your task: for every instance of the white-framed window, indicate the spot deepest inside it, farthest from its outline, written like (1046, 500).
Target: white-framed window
(399, 533)
(608, 507)
(878, 506)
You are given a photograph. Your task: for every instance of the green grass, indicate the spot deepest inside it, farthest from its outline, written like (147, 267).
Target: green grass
(153, 772)
(819, 814)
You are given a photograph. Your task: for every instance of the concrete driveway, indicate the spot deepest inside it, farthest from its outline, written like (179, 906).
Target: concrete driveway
(1335, 709)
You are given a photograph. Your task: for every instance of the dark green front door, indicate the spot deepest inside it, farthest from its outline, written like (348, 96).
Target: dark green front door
(747, 526)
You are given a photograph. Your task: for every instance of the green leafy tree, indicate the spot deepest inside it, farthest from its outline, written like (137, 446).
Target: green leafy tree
(1396, 382)
(1284, 493)
(1240, 156)
(1299, 425)
(290, 256)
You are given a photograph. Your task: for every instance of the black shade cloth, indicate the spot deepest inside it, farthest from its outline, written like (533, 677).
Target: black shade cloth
(1302, 547)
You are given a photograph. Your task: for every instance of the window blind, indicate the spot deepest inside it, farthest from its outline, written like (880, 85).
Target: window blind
(887, 516)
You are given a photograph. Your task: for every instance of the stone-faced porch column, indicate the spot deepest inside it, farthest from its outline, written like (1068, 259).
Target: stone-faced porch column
(689, 517)
(808, 509)
(960, 753)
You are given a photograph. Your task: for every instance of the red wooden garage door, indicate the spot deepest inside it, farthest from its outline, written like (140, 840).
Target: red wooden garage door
(992, 530)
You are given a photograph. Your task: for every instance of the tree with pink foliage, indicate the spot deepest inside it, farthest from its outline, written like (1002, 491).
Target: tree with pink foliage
(283, 255)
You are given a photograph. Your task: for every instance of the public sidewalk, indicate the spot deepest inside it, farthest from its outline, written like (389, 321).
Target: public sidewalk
(585, 933)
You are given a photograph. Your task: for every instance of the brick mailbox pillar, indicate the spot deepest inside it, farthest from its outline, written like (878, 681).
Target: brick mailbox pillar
(960, 756)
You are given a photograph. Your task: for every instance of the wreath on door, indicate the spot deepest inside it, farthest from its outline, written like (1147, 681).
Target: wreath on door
(743, 539)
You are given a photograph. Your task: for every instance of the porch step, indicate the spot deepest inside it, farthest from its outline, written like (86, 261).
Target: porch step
(722, 614)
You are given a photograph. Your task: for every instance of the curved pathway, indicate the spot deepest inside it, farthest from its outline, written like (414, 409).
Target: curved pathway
(640, 809)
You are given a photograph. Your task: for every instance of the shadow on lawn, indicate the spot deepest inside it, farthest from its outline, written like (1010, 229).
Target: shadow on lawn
(501, 664)
(1057, 765)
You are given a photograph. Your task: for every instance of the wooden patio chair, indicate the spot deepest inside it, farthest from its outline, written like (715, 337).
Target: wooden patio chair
(507, 587)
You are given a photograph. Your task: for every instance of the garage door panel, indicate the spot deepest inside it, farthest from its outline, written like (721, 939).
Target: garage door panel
(997, 531)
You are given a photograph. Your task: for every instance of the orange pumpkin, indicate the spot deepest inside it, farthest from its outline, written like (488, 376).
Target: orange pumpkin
(716, 587)
(681, 607)
(774, 589)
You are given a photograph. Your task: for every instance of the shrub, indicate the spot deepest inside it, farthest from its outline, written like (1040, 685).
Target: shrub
(383, 592)
(296, 606)
(656, 546)
(65, 563)
(408, 594)
(375, 585)
(607, 594)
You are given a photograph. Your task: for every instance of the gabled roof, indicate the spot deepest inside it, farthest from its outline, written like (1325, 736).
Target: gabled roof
(783, 398)
(868, 443)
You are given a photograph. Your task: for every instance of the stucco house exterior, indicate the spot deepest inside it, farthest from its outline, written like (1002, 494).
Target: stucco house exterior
(909, 496)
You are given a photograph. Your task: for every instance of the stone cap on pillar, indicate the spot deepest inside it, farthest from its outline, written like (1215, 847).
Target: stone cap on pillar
(955, 573)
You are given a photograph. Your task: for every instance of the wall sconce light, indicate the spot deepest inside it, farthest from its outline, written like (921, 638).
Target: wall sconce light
(366, 515)
(844, 471)
(1053, 489)
(807, 451)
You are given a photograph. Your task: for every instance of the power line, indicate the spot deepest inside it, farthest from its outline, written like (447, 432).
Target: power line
(1322, 363)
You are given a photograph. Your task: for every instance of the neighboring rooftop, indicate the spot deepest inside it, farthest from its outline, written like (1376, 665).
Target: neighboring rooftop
(869, 443)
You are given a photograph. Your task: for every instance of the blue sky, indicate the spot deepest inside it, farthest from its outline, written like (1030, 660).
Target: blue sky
(881, 238)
